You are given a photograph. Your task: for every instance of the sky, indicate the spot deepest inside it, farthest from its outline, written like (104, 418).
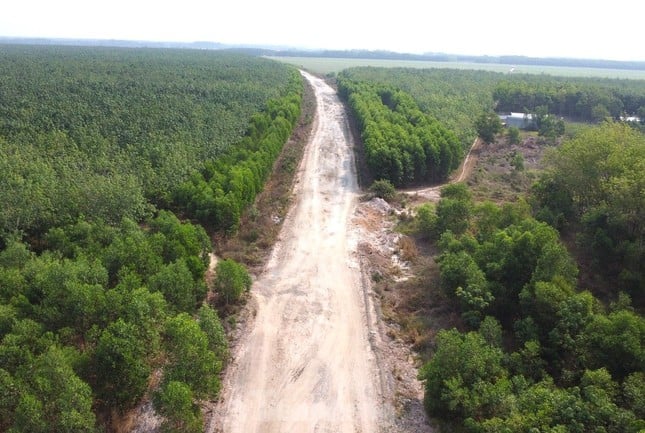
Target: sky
(541, 28)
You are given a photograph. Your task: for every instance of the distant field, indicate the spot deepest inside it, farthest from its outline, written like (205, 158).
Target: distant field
(323, 65)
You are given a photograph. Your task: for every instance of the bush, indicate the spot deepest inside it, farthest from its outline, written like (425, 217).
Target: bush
(175, 402)
(231, 280)
(384, 189)
(426, 221)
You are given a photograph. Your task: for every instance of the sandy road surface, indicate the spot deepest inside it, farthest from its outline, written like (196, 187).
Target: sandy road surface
(306, 363)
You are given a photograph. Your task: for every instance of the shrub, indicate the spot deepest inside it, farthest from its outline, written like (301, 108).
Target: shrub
(231, 280)
(384, 189)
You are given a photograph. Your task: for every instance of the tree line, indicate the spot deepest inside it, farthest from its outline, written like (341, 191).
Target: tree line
(586, 99)
(217, 194)
(452, 96)
(402, 143)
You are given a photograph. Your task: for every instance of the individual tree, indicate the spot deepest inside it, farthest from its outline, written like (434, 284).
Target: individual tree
(67, 293)
(26, 340)
(120, 365)
(9, 396)
(190, 360)
(542, 301)
(175, 401)
(598, 393)
(566, 351)
(181, 239)
(488, 125)
(491, 331)
(231, 280)
(426, 221)
(384, 189)
(54, 399)
(513, 134)
(517, 162)
(15, 254)
(634, 393)
(175, 282)
(641, 114)
(210, 323)
(148, 310)
(600, 113)
(465, 377)
(487, 218)
(527, 362)
(29, 415)
(132, 251)
(616, 341)
(551, 128)
(454, 209)
(462, 279)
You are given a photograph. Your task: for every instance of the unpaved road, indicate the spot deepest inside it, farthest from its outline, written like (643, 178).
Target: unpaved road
(433, 193)
(306, 362)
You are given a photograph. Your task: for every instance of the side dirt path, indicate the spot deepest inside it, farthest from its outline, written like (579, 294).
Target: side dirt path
(433, 193)
(309, 360)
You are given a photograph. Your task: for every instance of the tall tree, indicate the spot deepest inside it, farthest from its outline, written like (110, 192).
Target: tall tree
(120, 365)
(488, 125)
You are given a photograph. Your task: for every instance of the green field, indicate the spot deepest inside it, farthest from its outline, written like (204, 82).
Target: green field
(323, 65)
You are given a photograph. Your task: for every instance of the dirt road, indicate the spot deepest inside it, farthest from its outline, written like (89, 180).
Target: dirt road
(306, 362)
(433, 193)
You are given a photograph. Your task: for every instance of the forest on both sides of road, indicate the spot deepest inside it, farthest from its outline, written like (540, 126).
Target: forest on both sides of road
(121, 167)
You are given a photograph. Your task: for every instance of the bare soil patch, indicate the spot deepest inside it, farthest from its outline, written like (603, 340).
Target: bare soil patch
(494, 177)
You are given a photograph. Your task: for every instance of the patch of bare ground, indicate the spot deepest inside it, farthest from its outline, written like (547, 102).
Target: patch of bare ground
(388, 259)
(497, 175)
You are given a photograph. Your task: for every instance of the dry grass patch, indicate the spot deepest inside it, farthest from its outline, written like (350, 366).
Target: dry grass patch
(408, 249)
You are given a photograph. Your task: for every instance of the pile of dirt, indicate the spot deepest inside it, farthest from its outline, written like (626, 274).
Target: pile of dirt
(375, 220)
(381, 258)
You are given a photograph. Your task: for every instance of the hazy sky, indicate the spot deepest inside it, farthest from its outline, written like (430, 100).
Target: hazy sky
(559, 28)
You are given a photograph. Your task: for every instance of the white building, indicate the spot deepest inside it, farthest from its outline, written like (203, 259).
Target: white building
(519, 120)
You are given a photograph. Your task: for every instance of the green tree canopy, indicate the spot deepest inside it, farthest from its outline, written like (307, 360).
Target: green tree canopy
(191, 361)
(121, 367)
(231, 280)
(488, 125)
